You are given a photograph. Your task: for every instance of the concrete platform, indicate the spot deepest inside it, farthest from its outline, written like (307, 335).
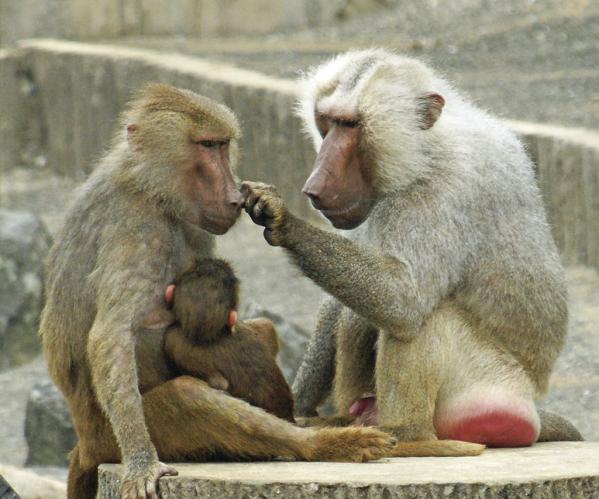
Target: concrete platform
(549, 470)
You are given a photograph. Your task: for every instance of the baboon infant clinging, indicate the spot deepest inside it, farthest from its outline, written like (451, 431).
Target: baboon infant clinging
(143, 218)
(209, 342)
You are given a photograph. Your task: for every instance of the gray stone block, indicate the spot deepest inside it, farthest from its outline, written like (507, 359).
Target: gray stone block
(24, 242)
(567, 163)
(6, 491)
(48, 427)
(549, 470)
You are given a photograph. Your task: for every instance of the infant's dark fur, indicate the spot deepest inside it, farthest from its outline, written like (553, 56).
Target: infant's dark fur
(239, 358)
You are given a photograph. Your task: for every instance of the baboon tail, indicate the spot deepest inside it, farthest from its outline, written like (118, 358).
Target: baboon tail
(555, 428)
(436, 448)
(82, 483)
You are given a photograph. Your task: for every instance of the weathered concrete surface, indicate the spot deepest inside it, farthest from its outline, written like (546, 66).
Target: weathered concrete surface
(540, 65)
(82, 19)
(544, 470)
(567, 162)
(81, 88)
(31, 485)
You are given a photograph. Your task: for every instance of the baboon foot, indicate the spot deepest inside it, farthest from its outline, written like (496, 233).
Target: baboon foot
(352, 444)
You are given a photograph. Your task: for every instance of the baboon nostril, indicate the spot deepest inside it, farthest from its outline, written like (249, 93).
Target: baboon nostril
(314, 199)
(236, 200)
(311, 194)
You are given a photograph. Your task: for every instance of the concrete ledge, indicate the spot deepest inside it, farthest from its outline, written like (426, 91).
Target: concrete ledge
(567, 161)
(81, 88)
(76, 91)
(556, 469)
(29, 484)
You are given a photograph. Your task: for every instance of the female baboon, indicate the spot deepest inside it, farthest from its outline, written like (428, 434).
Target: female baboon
(147, 212)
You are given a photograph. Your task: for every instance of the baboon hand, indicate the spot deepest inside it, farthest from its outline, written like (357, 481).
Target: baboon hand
(266, 207)
(140, 482)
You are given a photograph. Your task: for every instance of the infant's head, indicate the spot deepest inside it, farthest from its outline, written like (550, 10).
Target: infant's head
(205, 299)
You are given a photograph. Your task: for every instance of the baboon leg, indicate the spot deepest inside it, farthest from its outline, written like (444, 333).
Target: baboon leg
(338, 421)
(354, 373)
(189, 420)
(96, 445)
(406, 397)
(487, 397)
(459, 387)
(186, 417)
(81, 483)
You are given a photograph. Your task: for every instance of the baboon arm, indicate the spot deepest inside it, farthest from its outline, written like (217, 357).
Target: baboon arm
(379, 287)
(416, 260)
(189, 358)
(127, 293)
(112, 359)
(314, 378)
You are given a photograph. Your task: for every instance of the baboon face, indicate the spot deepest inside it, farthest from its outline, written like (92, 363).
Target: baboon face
(370, 125)
(184, 146)
(340, 187)
(210, 185)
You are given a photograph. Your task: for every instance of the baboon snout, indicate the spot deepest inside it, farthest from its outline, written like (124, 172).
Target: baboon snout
(235, 199)
(313, 188)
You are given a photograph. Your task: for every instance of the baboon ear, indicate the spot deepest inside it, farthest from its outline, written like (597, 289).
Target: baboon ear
(133, 137)
(430, 106)
(232, 319)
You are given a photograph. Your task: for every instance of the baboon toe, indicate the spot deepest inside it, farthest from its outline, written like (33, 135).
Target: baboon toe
(353, 444)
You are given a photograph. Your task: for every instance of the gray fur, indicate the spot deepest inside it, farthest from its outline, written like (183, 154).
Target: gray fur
(459, 221)
(314, 379)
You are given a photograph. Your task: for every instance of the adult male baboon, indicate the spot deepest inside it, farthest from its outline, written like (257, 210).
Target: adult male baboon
(141, 220)
(449, 269)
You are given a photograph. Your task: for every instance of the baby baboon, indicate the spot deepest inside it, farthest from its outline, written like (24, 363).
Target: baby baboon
(208, 342)
(448, 266)
(142, 219)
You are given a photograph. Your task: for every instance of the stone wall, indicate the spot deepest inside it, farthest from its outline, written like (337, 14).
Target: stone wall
(66, 97)
(82, 19)
(567, 162)
(80, 90)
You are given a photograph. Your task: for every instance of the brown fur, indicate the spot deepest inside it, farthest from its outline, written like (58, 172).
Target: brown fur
(138, 223)
(437, 448)
(241, 360)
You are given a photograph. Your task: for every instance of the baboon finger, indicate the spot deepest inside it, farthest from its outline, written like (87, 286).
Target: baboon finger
(269, 236)
(250, 201)
(151, 489)
(268, 209)
(259, 209)
(246, 188)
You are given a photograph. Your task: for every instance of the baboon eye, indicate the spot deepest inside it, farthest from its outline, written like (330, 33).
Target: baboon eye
(210, 144)
(346, 123)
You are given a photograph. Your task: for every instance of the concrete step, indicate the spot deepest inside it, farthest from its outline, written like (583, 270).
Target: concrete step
(548, 470)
